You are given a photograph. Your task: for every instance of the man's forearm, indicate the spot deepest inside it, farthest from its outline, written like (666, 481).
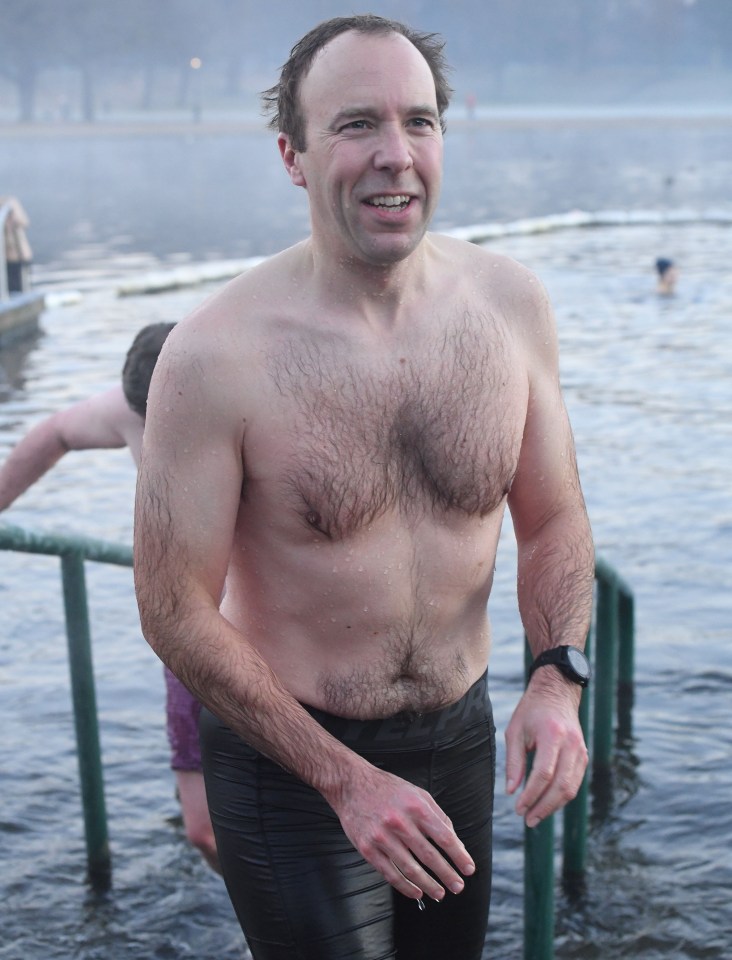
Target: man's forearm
(28, 461)
(229, 676)
(556, 571)
(395, 825)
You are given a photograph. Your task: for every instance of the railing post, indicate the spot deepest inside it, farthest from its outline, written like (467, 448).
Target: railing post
(539, 891)
(604, 681)
(614, 640)
(626, 662)
(538, 877)
(85, 718)
(574, 841)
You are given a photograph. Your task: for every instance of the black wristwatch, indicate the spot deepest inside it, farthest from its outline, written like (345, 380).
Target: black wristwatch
(570, 660)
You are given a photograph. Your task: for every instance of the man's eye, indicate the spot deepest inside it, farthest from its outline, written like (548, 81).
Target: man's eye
(355, 125)
(422, 122)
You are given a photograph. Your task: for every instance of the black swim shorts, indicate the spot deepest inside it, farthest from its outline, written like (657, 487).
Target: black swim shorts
(299, 888)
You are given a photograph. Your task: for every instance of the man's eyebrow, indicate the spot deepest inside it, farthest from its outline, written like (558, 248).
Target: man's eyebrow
(356, 113)
(352, 113)
(425, 110)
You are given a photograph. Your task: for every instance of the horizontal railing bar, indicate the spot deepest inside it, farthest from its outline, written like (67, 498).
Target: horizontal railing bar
(58, 545)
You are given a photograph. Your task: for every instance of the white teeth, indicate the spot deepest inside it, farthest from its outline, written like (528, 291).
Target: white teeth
(389, 201)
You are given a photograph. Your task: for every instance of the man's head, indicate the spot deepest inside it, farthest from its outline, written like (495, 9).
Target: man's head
(373, 164)
(140, 363)
(282, 100)
(667, 275)
(663, 265)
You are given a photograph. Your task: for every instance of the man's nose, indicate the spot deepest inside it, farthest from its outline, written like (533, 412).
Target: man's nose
(394, 150)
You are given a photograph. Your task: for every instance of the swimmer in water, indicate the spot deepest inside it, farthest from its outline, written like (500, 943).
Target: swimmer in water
(667, 276)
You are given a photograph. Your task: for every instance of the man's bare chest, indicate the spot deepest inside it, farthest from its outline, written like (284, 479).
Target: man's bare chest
(431, 430)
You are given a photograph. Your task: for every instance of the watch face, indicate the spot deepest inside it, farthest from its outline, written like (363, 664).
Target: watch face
(578, 662)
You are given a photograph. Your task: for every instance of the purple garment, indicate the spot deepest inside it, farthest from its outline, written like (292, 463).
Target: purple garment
(182, 711)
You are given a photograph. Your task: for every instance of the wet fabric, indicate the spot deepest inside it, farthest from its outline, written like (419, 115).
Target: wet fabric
(299, 888)
(182, 711)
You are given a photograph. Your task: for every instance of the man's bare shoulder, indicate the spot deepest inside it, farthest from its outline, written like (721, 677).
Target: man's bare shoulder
(253, 298)
(103, 420)
(215, 360)
(497, 269)
(507, 288)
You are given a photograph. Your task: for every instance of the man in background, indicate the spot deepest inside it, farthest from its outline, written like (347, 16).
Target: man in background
(108, 420)
(18, 253)
(667, 275)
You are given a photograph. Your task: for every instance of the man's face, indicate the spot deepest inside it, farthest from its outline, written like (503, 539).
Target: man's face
(373, 160)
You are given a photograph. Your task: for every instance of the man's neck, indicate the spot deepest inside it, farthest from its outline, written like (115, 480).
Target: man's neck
(377, 292)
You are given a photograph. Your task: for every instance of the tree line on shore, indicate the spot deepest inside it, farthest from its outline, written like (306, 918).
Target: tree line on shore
(139, 45)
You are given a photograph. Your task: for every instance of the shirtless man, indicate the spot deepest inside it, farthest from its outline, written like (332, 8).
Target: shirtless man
(337, 434)
(108, 420)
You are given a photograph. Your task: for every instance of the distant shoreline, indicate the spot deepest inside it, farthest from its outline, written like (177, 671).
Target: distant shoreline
(217, 124)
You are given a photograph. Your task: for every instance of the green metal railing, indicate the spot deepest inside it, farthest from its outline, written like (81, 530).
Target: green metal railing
(613, 643)
(612, 639)
(73, 552)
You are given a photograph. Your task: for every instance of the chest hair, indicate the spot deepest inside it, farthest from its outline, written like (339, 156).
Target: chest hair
(433, 430)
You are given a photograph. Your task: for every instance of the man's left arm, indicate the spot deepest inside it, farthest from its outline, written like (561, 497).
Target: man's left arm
(555, 584)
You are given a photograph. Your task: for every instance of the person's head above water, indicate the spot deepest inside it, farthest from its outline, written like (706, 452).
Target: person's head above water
(140, 363)
(282, 100)
(667, 275)
(663, 265)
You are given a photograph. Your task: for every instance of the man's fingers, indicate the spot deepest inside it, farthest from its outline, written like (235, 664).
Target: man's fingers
(410, 857)
(553, 782)
(515, 761)
(393, 875)
(430, 857)
(402, 832)
(539, 780)
(414, 873)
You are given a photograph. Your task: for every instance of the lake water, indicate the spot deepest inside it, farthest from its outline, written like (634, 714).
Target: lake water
(647, 383)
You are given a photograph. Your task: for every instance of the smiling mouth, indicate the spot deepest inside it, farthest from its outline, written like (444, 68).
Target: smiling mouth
(399, 202)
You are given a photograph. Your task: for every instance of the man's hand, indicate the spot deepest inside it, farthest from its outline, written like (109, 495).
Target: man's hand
(399, 829)
(546, 722)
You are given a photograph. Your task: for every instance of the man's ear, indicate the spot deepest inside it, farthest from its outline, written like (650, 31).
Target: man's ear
(291, 160)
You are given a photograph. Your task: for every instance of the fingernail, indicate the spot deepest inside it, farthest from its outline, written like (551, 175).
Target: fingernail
(457, 887)
(469, 869)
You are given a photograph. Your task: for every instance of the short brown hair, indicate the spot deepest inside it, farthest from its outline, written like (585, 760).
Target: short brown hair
(140, 363)
(282, 100)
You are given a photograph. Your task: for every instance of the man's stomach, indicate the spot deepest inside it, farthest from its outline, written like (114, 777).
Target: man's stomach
(367, 630)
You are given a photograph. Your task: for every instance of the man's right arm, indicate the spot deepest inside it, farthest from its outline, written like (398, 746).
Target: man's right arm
(188, 496)
(97, 422)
